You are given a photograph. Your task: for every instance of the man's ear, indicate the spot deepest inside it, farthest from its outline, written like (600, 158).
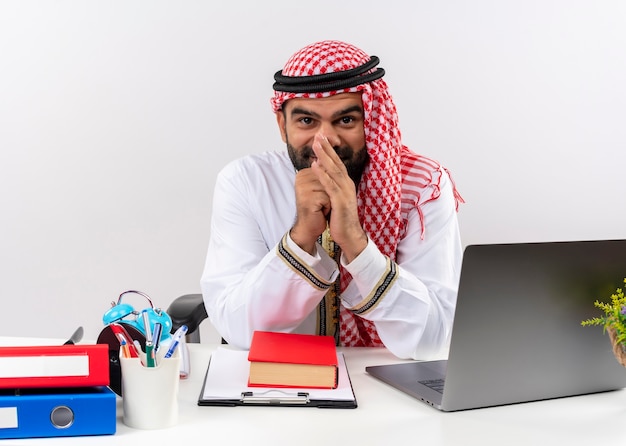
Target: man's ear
(280, 120)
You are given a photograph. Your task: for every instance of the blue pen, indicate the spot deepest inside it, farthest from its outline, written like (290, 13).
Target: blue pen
(156, 336)
(182, 331)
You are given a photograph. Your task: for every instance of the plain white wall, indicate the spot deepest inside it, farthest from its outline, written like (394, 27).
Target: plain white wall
(115, 117)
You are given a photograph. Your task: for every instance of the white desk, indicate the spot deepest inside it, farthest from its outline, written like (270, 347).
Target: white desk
(385, 416)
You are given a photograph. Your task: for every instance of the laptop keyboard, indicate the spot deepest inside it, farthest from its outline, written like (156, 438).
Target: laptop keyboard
(435, 384)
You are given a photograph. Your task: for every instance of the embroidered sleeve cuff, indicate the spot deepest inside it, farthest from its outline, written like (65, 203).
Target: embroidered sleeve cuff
(319, 270)
(372, 271)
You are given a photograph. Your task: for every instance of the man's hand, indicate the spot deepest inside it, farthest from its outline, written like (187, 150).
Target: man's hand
(337, 185)
(312, 207)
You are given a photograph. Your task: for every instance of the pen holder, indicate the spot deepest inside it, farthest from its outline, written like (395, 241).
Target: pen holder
(150, 394)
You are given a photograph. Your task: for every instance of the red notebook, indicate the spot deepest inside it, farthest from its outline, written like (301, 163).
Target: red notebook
(292, 360)
(54, 366)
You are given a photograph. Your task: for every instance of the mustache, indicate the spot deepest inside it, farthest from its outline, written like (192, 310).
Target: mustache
(343, 152)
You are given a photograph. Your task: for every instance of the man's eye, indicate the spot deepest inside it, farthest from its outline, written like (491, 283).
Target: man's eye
(347, 120)
(306, 121)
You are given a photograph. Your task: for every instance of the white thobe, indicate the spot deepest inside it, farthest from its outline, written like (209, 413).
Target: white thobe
(248, 286)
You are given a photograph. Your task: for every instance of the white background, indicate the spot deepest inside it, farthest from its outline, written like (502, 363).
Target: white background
(115, 117)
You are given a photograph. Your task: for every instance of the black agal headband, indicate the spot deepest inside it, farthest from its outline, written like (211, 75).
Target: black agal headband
(337, 80)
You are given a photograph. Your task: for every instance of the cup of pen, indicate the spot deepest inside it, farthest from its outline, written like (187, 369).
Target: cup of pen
(150, 388)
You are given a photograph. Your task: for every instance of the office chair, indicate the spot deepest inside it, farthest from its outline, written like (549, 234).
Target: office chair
(188, 310)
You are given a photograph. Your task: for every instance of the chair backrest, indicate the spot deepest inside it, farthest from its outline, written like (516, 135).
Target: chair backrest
(188, 310)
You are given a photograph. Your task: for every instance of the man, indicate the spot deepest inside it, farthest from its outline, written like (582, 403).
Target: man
(348, 233)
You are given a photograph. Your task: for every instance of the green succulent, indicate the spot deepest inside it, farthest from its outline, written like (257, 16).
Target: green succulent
(614, 315)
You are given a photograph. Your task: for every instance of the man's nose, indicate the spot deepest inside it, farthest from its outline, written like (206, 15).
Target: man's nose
(328, 130)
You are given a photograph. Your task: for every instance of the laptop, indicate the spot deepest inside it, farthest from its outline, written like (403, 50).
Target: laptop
(517, 335)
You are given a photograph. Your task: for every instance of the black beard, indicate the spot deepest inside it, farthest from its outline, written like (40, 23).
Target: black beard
(355, 163)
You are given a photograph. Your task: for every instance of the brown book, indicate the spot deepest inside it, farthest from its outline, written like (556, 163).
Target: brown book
(292, 360)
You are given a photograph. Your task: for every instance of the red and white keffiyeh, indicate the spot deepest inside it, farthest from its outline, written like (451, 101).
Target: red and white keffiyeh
(389, 187)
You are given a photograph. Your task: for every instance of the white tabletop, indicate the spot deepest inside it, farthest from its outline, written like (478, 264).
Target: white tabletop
(384, 416)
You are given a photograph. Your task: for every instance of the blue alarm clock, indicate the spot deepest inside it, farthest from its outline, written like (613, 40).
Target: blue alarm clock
(124, 312)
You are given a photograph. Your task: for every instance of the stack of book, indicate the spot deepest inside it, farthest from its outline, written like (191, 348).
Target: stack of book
(292, 360)
(56, 391)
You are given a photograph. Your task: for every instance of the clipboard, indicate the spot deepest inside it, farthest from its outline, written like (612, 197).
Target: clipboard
(226, 384)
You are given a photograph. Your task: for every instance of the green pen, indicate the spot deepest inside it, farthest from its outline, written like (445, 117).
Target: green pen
(150, 356)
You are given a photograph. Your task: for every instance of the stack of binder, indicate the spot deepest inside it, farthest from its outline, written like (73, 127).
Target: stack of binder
(56, 391)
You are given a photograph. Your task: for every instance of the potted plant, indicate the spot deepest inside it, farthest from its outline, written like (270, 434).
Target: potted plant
(614, 322)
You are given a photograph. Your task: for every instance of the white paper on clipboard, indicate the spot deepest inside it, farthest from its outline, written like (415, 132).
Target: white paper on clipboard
(227, 379)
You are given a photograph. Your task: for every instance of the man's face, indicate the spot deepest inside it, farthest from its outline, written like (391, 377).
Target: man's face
(338, 117)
